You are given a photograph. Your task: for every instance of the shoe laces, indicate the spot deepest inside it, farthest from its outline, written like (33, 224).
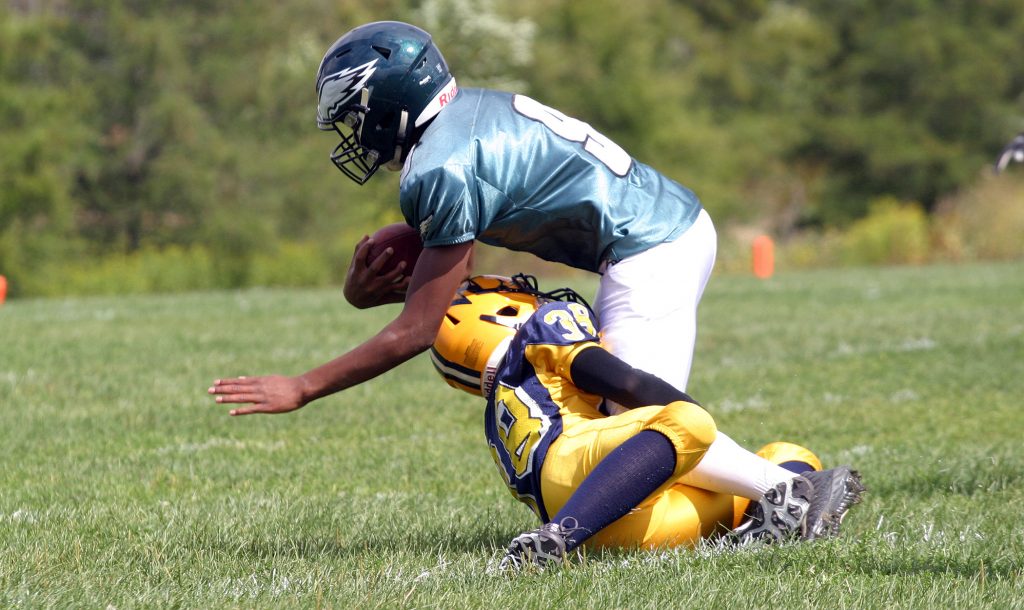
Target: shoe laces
(565, 528)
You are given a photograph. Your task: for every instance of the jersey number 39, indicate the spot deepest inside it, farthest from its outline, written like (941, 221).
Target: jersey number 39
(610, 154)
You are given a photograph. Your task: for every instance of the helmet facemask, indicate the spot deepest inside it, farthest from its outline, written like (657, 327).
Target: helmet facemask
(352, 158)
(357, 161)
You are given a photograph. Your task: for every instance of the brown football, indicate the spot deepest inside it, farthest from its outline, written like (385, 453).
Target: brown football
(403, 240)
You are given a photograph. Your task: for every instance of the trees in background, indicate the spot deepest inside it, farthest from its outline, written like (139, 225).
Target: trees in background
(130, 126)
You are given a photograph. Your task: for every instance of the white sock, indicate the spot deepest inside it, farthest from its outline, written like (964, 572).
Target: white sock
(731, 469)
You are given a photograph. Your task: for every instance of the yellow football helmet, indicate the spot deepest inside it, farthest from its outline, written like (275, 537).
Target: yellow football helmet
(484, 315)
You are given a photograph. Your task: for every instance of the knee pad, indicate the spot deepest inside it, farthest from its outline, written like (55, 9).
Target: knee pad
(690, 428)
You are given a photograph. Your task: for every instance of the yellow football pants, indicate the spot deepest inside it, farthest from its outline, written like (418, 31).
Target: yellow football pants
(673, 515)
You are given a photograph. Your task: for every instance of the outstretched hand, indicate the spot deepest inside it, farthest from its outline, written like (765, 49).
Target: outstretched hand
(270, 394)
(366, 286)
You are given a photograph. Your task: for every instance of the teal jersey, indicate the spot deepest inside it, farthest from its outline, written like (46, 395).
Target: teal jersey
(510, 172)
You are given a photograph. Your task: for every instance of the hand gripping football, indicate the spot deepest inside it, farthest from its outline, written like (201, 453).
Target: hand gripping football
(404, 242)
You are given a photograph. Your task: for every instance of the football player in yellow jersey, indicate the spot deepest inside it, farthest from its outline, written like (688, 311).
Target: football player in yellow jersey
(659, 474)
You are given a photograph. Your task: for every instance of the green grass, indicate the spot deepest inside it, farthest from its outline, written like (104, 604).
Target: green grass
(123, 485)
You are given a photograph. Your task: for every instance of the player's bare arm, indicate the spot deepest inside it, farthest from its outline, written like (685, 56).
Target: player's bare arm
(437, 275)
(366, 286)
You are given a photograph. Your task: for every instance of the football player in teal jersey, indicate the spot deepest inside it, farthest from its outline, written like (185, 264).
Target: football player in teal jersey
(505, 170)
(659, 474)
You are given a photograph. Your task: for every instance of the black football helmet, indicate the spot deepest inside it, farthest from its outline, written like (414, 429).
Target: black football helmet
(378, 86)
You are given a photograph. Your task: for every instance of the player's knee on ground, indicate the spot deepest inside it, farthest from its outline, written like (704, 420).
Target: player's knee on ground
(689, 428)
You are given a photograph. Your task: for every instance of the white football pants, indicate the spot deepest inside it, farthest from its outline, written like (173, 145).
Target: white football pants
(647, 304)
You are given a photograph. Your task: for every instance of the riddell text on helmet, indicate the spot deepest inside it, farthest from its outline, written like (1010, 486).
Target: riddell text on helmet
(442, 99)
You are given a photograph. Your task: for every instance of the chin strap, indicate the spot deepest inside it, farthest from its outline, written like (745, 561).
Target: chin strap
(363, 108)
(396, 161)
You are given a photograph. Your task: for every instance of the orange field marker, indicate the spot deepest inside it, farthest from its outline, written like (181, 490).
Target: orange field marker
(764, 257)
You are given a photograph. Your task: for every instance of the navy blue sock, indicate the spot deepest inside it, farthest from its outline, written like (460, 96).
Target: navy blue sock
(621, 481)
(796, 466)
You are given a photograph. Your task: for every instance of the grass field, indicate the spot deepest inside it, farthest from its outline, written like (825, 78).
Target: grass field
(124, 486)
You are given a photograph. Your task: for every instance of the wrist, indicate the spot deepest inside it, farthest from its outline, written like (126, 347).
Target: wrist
(308, 391)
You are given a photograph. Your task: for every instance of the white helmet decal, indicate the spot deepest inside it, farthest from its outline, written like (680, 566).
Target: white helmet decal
(335, 90)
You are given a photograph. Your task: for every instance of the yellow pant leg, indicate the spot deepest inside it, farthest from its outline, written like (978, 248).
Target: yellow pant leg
(675, 515)
(585, 442)
(678, 516)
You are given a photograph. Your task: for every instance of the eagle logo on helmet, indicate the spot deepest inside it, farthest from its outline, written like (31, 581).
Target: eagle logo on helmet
(338, 88)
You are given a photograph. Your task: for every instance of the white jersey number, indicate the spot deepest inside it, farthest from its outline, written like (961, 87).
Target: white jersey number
(610, 154)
